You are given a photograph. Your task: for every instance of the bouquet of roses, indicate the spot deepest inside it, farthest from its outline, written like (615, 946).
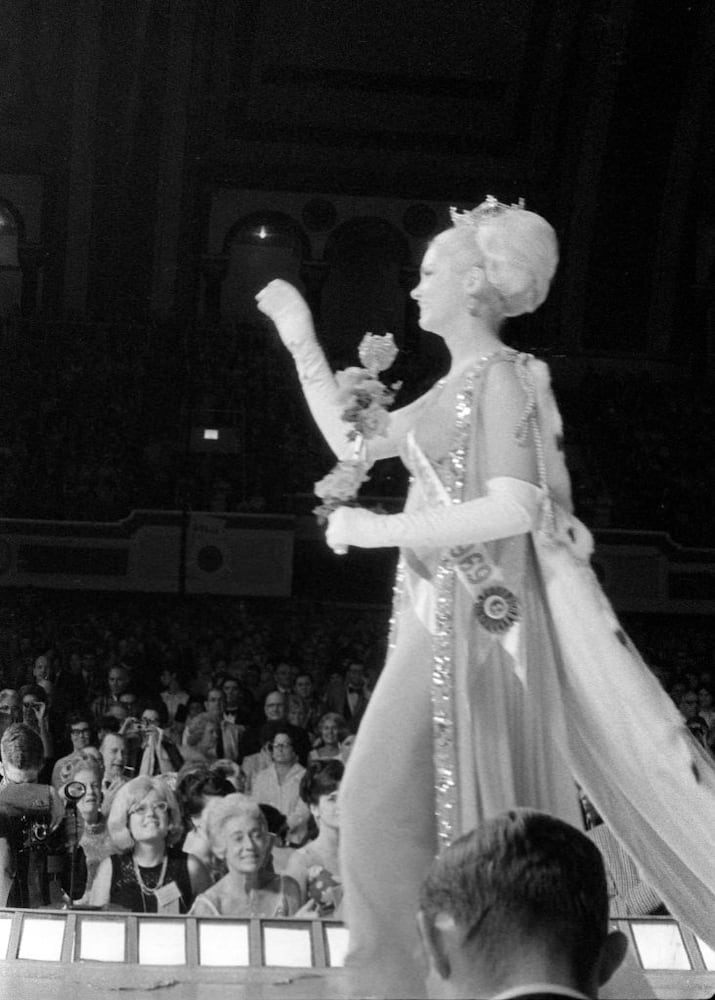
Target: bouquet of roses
(366, 400)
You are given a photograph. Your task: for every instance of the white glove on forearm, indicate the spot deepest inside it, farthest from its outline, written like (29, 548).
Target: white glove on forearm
(321, 393)
(510, 507)
(287, 308)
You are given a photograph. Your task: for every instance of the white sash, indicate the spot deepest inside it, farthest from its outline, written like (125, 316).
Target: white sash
(496, 608)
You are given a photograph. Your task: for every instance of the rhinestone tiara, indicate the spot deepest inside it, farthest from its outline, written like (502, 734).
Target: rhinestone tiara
(488, 209)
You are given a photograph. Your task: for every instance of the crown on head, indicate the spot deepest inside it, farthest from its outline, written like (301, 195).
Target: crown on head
(488, 209)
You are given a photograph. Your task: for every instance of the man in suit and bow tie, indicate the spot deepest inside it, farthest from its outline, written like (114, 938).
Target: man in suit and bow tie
(518, 908)
(350, 698)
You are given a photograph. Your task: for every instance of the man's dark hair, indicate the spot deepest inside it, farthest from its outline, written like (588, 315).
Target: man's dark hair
(21, 747)
(521, 877)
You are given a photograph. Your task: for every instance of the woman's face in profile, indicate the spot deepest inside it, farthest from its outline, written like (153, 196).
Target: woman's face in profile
(327, 811)
(247, 843)
(440, 292)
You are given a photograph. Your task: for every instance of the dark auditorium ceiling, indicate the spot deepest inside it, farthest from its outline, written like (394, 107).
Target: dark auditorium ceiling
(133, 114)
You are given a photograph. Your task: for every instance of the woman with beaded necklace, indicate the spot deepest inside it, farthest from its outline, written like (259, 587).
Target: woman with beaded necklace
(150, 875)
(508, 674)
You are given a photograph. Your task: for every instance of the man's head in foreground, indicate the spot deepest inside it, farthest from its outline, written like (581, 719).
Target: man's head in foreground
(521, 900)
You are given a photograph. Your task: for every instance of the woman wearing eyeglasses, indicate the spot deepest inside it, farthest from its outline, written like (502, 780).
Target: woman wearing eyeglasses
(278, 784)
(151, 875)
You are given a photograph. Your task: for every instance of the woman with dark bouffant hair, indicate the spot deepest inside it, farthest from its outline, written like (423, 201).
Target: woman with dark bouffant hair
(316, 865)
(196, 786)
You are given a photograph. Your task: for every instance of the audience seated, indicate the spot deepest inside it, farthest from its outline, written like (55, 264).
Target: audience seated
(80, 639)
(518, 907)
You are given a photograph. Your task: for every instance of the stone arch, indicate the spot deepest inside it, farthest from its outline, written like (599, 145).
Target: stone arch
(258, 247)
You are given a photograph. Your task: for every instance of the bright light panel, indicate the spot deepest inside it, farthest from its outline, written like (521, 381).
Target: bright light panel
(162, 942)
(223, 943)
(41, 940)
(287, 946)
(337, 940)
(660, 945)
(101, 940)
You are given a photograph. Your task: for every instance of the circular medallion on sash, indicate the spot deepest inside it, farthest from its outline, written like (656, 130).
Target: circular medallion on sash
(497, 609)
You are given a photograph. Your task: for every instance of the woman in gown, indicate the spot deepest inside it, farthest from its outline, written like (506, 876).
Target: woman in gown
(508, 676)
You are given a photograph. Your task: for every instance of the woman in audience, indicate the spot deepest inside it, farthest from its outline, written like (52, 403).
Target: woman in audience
(196, 786)
(200, 738)
(87, 837)
(151, 875)
(316, 866)
(278, 784)
(238, 833)
(333, 730)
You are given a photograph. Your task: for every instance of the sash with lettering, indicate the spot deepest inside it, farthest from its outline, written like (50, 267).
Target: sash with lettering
(496, 607)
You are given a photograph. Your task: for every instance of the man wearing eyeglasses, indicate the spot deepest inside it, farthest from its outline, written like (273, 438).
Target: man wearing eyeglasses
(79, 730)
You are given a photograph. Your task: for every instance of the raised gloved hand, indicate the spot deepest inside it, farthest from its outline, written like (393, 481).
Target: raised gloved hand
(284, 304)
(510, 507)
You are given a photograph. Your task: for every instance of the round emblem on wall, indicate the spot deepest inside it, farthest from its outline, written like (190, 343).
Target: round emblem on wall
(497, 609)
(209, 559)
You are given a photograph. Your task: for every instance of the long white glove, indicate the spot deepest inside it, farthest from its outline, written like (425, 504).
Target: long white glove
(321, 393)
(284, 304)
(510, 507)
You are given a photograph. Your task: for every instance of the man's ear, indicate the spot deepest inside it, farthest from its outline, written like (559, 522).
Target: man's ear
(433, 946)
(474, 280)
(612, 954)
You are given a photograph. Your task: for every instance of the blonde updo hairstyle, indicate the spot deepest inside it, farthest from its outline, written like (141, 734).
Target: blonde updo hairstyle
(130, 795)
(513, 250)
(220, 811)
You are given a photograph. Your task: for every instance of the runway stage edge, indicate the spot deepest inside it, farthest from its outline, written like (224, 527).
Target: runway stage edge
(88, 955)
